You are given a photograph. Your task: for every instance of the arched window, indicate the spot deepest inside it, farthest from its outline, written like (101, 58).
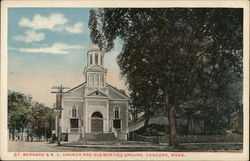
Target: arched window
(117, 113)
(117, 120)
(101, 59)
(96, 115)
(96, 58)
(90, 58)
(74, 112)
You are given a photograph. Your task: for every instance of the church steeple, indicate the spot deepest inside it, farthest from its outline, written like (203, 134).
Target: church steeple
(95, 56)
(95, 73)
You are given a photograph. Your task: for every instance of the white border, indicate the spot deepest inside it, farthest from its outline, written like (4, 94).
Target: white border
(126, 3)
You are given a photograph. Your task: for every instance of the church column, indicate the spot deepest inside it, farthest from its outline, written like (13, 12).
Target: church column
(100, 80)
(88, 59)
(104, 80)
(94, 80)
(99, 76)
(99, 59)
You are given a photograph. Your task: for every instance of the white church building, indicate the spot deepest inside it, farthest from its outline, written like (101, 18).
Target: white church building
(94, 109)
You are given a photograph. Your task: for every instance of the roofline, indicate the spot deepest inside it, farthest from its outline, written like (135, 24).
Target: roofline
(101, 92)
(75, 87)
(118, 90)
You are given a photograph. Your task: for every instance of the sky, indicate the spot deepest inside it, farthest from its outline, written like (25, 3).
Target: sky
(48, 47)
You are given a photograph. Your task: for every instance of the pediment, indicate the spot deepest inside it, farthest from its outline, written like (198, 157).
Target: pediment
(96, 68)
(97, 93)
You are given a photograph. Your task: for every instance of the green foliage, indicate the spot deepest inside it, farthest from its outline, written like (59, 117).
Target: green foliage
(23, 114)
(175, 52)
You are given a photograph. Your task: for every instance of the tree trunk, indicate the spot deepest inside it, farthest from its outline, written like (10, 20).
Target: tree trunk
(146, 119)
(45, 135)
(172, 125)
(190, 125)
(22, 134)
(28, 136)
(13, 134)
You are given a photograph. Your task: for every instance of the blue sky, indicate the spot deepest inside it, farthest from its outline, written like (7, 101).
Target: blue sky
(48, 46)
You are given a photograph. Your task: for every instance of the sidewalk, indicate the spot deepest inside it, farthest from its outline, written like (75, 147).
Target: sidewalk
(146, 146)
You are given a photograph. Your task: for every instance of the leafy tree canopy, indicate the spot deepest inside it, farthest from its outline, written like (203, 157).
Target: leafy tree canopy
(178, 51)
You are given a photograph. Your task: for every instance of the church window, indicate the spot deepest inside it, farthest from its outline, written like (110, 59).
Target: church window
(117, 120)
(96, 58)
(73, 123)
(90, 58)
(117, 123)
(117, 113)
(74, 112)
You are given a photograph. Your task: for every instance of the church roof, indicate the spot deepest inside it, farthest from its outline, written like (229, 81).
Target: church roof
(75, 87)
(118, 90)
(108, 85)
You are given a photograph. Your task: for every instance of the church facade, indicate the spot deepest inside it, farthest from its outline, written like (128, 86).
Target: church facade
(94, 107)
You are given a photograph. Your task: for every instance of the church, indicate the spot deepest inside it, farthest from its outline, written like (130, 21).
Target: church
(94, 109)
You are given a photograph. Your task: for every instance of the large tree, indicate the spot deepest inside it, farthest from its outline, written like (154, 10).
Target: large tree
(180, 50)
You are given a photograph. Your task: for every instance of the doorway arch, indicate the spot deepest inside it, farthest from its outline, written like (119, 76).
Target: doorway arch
(96, 122)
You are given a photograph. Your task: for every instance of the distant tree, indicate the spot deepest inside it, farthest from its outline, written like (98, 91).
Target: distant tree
(18, 109)
(25, 114)
(182, 50)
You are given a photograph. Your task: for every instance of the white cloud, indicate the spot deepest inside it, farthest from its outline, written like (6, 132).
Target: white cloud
(54, 22)
(57, 48)
(40, 22)
(76, 28)
(31, 36)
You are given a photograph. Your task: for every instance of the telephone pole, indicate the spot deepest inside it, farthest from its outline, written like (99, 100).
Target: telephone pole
(59, 93)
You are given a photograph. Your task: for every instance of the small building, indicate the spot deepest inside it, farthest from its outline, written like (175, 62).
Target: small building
(94, 109)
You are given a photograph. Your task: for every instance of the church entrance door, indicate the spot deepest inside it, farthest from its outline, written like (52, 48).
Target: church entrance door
(96, 122)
